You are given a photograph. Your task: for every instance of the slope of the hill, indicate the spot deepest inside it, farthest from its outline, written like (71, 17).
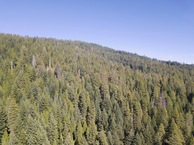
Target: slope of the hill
(70, 92)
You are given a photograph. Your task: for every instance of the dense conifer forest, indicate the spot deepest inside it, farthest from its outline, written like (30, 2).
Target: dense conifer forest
(56, 92)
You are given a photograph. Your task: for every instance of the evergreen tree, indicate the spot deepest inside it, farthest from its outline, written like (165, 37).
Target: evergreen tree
(52, 130)
(137, 115)
(102, 138)
(5, 138)
(12, 114)
(78, 133)
(160, 135)
(3, 120)
(91, 133)
(174, 135)
(69, 140)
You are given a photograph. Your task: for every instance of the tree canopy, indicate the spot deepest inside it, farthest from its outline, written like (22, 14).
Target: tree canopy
(61, 92)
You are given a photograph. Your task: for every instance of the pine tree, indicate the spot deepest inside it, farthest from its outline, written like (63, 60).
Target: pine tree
(78, 133)
(83, 104)
(35, 133)
(102, 138)
(20, 129)
(90, 118)
(69, 140)
(191, 142)
(109, 138)
(83, 141)
(5, 138)
(160, 135)
(138, 139)
(137, 115)
(189, 124)
(12, 114)
(52, 129)
(91, 133)
(13, 139)
(116, 140)
(3, 120)
(174, 135)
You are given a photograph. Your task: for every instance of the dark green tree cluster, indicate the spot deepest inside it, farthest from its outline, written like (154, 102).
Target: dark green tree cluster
(55, 92)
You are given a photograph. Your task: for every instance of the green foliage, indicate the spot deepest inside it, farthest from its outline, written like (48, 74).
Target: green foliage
(52, 130)
(160, 135)
(12, 113)
(174, 135)
(71, 92)
(5, 138)
(3, 120)
(91, 133)
(102, 138)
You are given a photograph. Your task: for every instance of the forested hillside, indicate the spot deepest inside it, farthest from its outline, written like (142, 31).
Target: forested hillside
(55, 92)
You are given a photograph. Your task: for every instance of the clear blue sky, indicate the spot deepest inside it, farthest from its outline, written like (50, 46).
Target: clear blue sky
(162, 29)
